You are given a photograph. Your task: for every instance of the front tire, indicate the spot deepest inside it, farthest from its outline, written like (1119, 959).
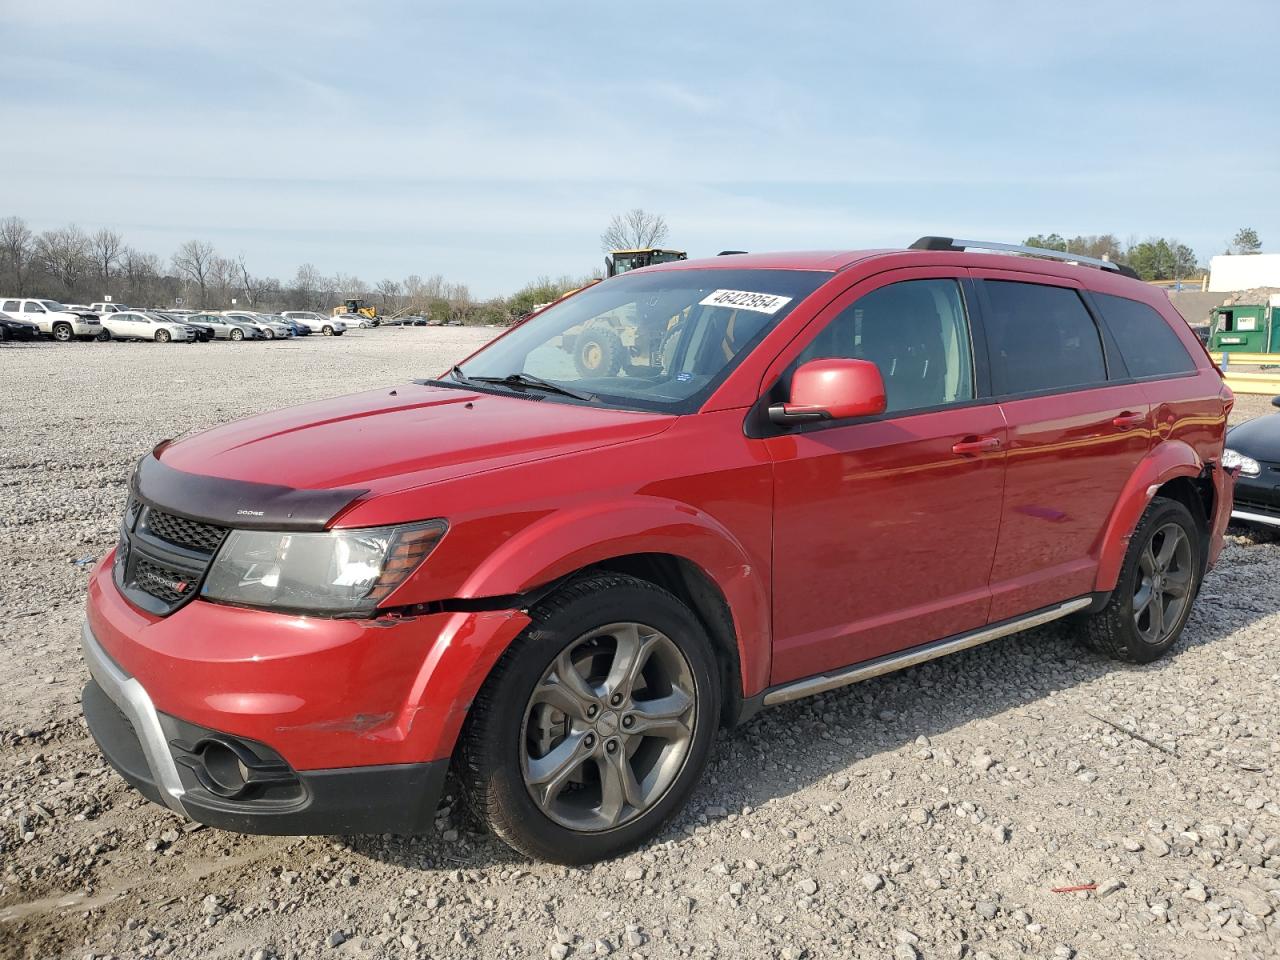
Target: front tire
(327, 331)
(598, 352)
(271, 334)
(63, 333)
(595, 726)
(163, 336)
(237, 335)
(103, 336)
(1158, 584)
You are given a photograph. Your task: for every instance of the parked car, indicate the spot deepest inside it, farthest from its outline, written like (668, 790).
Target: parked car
(226, 328)
(11, 328)
(298, 328)
(316, 322)
(811, 469)
(53, 318)
(357, 320)
(201, 332)
(101, 308)
(1253, 447)
(270, 329)
(136, 325)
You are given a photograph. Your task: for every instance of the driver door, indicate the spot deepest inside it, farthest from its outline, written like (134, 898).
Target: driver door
(885, 527)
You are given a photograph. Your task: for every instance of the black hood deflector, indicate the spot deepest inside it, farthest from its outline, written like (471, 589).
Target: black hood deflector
(237, 503)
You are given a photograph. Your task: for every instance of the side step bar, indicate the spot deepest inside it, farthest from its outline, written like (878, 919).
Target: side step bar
(929, 651)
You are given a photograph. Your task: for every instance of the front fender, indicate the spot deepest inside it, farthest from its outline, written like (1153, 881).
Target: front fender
(1170, 459)
(569, 540)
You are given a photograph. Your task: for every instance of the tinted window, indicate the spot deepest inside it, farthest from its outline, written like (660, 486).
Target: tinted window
(1040, 338)
(10, 305)
(32, 308)
(916, 332)
(1149, 347)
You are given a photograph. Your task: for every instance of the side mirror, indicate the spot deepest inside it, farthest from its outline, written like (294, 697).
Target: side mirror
(836, 389)
(1275, 401)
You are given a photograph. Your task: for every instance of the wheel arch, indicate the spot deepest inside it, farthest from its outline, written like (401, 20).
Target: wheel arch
(673, 545)
(1171, 469)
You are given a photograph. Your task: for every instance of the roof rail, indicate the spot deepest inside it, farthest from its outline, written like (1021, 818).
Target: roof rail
(730, 253)
(947, 243)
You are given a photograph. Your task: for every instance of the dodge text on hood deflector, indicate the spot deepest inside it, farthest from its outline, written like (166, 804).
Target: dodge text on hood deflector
(237, 503)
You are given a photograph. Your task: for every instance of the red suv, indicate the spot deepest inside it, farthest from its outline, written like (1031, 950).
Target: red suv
(655, 507)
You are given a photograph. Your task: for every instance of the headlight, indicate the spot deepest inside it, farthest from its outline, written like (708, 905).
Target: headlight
(1232, 459)
(349, 571)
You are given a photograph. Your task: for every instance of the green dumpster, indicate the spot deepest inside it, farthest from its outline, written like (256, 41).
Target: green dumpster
(1245, 328)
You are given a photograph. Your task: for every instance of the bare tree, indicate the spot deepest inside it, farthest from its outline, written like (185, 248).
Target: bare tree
(306, 285)
(634, 230)
(222, 278)
(16, 241)
(247, 283)
(193, 262)
(64, 254)
(107, 246)
(388, 294)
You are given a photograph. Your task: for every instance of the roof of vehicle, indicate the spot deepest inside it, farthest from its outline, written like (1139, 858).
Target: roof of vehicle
(834, 261)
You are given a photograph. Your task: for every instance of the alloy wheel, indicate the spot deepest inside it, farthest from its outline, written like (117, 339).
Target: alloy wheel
(1164, 583)
(608, 727)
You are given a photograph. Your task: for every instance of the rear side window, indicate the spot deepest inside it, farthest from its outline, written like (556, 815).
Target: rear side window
(1040, 338)
(1149, 347)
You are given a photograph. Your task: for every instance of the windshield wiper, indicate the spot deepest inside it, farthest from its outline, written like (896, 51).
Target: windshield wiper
(525, 380)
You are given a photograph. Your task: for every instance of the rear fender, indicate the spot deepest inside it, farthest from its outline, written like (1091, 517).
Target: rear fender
(571, 540)
(1170, 459)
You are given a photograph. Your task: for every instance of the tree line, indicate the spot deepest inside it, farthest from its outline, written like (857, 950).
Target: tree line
(74, 266)
(1156, 258)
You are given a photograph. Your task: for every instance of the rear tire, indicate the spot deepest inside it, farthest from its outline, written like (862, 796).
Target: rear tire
(63, 333)
(1156, 590)
(163, 336)
(615, 789)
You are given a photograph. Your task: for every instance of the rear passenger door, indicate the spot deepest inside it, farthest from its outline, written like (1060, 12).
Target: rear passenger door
(1077, 428)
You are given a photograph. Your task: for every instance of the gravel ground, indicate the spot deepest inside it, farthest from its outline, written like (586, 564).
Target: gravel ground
(932, 813)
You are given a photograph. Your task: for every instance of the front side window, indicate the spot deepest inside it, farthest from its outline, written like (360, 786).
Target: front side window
(1040, 338)
(32, 308)
(1147, 344)
(648, 341)
(916, 332)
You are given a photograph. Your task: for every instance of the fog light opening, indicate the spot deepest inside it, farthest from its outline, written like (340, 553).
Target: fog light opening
(227, 775)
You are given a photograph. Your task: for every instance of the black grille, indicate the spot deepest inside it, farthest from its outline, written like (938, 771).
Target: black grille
(191, 534)
(162, 558)
(164, 583)
(1256, 506)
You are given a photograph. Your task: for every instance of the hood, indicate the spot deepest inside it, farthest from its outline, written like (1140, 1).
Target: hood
(393, 439)
(1258, 438)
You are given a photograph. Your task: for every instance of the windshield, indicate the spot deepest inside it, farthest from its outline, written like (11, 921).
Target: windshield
(648, 341)
(53, 305)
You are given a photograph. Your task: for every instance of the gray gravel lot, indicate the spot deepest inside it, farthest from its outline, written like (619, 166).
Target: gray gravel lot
(931, 813)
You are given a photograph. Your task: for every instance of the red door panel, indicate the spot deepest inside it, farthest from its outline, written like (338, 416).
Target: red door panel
(1069, 456)
(883, 536)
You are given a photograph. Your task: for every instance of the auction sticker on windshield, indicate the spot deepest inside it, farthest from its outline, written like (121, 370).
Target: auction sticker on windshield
(745, 300)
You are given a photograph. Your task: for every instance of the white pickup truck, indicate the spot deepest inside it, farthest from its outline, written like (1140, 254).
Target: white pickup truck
(54, 319)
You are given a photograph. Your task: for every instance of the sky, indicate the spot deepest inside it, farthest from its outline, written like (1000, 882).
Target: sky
(492, 142)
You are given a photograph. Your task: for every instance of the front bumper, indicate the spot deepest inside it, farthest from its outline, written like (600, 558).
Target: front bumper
(84, 329)
(358, 718)
(165, 758)
(1257, 499)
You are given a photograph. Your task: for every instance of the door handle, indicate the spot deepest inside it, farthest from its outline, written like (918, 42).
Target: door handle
(974, 445)
(1127, 420)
